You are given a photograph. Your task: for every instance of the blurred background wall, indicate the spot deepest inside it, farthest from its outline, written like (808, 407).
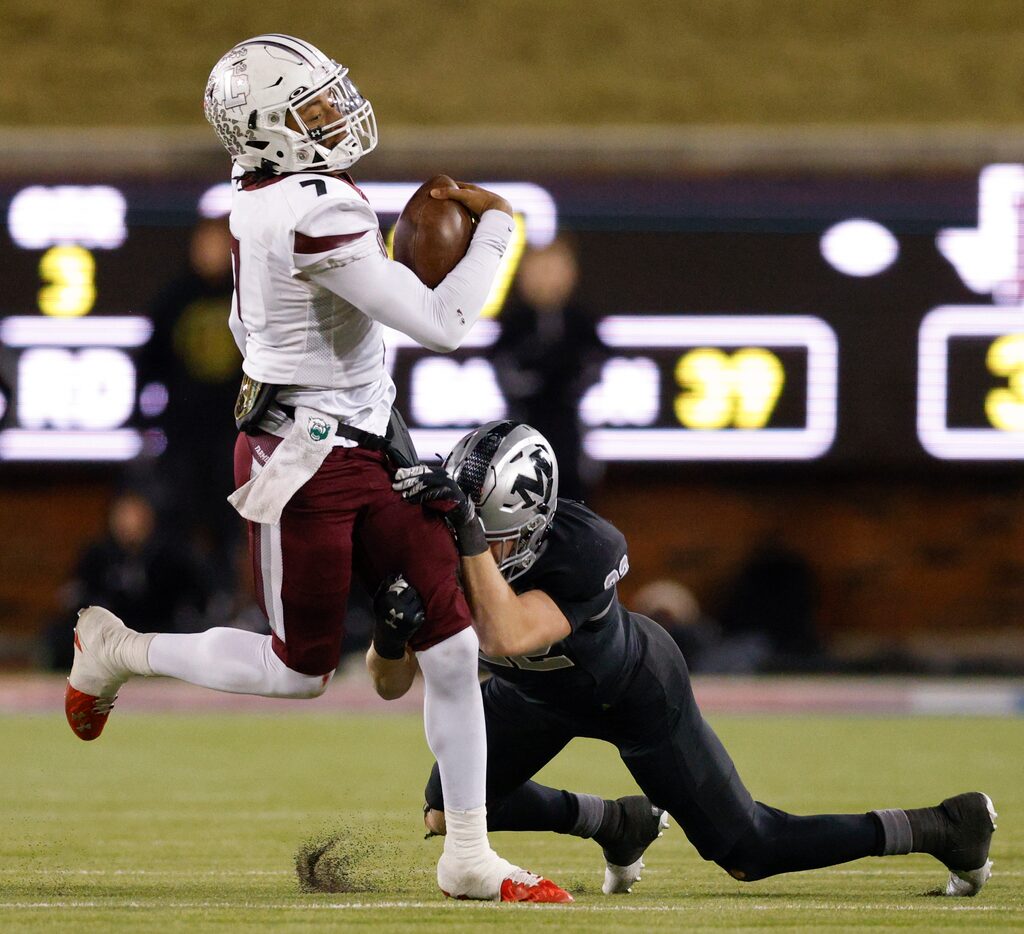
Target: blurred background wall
(516, 62)
(697, 155)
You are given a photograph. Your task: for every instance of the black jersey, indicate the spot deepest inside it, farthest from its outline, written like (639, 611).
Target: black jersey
(578, 567)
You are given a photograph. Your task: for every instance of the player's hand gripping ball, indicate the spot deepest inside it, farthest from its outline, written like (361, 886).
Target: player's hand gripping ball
(433, 234)
(435, 227)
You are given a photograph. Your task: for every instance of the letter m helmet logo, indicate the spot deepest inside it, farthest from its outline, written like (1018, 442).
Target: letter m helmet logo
(533, 485)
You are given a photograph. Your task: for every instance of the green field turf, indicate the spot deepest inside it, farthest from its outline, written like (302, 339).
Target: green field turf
(191, 823)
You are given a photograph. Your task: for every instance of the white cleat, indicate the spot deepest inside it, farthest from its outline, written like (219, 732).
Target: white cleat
(619, 880)
(967, 883)
(480, 879)
(495, 879)
(96, 674)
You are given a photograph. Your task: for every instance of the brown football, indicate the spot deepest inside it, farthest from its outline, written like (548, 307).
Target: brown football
(432, 235)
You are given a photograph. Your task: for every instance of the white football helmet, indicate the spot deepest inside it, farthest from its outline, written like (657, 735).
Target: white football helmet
(509, 471)
(262, 80)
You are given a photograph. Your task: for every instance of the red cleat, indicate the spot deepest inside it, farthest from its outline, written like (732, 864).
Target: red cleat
(543, 890)
(87, 715)
(96, 674)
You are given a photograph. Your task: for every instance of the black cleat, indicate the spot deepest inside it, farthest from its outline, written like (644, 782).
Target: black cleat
(970, 820)
(625, 837)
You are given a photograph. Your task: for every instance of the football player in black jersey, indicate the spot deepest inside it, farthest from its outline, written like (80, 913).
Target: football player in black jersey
(567, 660)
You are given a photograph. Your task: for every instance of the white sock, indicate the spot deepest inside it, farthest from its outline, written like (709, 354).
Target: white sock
(453, 718)
(465, 837)
(133, 652)
(230, 660)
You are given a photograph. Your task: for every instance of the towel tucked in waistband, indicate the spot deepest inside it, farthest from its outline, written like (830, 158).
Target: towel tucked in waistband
(294, 461)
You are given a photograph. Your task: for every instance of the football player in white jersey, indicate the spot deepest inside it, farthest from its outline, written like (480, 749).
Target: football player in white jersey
(320, 437)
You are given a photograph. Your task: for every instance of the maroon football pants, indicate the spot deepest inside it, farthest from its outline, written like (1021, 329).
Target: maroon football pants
(345, 518)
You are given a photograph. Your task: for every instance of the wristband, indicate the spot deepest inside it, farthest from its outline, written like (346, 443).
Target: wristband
(470, 538)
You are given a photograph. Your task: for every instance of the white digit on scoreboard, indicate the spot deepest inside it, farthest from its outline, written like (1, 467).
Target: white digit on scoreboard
(92, 388)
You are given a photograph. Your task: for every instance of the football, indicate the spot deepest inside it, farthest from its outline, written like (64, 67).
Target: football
(432, 235)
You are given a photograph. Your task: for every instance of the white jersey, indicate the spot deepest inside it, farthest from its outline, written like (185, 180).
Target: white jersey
(314, 285)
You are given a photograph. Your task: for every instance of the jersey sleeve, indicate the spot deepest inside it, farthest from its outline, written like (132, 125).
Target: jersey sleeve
(332, 234)
(583, 583)
(390, 293)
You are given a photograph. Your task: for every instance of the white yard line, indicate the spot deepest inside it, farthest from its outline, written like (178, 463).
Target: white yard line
(466, 906)
(564, 870)
(191, 873)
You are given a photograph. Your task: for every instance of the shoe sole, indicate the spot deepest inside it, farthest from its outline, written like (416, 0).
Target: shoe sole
(966, 883)
(547, 893)
(78, 708)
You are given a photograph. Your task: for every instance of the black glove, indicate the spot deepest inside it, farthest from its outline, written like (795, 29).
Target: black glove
(397, 612)
(433, 488)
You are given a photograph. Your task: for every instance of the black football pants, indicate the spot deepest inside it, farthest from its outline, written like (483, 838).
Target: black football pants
(676, 759)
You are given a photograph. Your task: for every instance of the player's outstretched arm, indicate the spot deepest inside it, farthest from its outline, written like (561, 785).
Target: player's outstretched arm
(506, 623)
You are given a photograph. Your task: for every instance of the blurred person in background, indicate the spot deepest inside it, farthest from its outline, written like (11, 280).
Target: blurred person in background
(137, 569)
(769, 614)
(192, 355)
(675, 608)
(548, 354)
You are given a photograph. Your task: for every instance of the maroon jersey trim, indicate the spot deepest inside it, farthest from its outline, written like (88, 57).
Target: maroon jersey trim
(304, 244)
(347, 179)
(253, 180)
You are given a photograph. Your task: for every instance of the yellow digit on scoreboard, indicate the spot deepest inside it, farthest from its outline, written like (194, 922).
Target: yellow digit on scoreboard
(70, 274)
(1005, 406)
(706, 376)
(728, 391)
(758, 377)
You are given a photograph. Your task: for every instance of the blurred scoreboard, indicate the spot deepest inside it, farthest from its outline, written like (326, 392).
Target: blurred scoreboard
(843, 322)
